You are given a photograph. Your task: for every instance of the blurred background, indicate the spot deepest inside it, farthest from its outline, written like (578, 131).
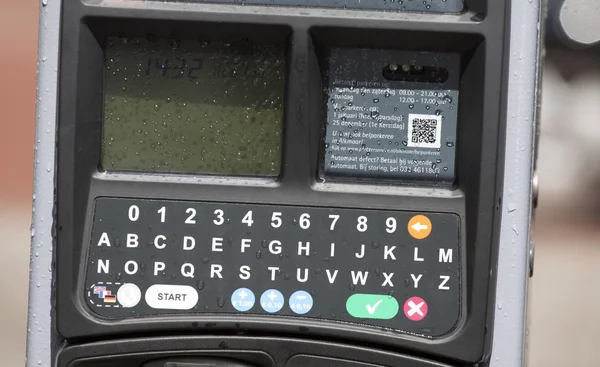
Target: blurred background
(564, 319)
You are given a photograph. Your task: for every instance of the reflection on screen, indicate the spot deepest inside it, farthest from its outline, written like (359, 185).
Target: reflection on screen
(192, 107)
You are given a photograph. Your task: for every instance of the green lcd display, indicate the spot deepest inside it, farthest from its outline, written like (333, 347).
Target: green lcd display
(186, 106)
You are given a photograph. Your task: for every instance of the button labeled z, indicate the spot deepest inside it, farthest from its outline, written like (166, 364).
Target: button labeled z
(171, 297)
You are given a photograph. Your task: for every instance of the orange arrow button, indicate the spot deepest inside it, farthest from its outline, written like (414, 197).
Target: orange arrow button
(419, 227)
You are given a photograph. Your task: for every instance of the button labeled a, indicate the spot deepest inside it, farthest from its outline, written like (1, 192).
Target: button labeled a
(419, 227)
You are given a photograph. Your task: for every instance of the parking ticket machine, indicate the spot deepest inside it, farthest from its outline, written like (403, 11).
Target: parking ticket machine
(283, 183)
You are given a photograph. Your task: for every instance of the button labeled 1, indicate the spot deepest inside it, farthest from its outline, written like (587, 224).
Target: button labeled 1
(372, 306)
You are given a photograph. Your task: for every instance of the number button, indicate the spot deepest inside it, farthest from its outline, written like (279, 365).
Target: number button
(248, 219)
(163, 214)
(134, 213)
(305, 221)
(390, 225)
(192, 214)
(276, 220)
(334, 218)
(220, 219)
(361, 226)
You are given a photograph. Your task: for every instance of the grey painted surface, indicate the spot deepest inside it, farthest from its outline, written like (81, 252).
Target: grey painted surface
(39, 330)
(511, 293)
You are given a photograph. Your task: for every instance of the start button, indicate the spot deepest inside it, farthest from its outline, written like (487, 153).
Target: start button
(171, 297)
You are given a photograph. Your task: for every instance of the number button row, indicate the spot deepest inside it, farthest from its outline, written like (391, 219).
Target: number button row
(418, 230)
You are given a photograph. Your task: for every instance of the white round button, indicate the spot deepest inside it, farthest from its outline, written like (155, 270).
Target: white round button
(129, 295)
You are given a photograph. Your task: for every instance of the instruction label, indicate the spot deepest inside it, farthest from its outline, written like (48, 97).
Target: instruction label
(392, 114)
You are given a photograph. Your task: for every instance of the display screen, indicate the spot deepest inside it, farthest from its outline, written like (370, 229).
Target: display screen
(186, 106)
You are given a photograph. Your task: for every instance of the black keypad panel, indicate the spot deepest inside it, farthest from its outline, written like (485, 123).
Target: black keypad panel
(392, 269)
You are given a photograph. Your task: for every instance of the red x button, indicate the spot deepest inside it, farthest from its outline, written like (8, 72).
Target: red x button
(415, 308)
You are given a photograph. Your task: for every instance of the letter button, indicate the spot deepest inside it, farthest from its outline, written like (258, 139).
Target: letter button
(171, 297)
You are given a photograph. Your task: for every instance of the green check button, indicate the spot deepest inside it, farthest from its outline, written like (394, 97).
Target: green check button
(372, 306)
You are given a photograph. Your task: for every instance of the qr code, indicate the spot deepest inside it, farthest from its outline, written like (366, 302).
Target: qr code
(424, 131)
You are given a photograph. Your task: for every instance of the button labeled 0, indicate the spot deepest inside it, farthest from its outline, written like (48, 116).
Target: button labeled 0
(171, 297)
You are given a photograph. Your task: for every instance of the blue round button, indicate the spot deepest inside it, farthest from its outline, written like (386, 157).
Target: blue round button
(272, 300)
(301, 302)
(242, 299)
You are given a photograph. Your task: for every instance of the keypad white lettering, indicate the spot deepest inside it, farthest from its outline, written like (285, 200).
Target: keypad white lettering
(245, 272)
(134, 213)
(215, 271)
(187, 270)
(248, 219)
(334, 218)
(445, 255)
(189, 243)
(104, 240)
(362, 224)
(275, 247)
(444, 281)
(359, 277)
(103, 266)
(417, 257)
(158, 267)
(305, 221)
(273, 270)
(331, 277)
(361, 252)
(388, 280)
(131, 267)
(191, 216)
(159, 242)
(132, 240)
(416, 279)
(218, 248)
(303, 248)
(276, 220)
(217, 245)
(245, 244)
(388, 252)
(163, 214)
(220, 219)
(391, 225)
(302, 275)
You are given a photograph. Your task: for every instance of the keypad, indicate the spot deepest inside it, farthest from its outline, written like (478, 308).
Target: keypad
(392, 269)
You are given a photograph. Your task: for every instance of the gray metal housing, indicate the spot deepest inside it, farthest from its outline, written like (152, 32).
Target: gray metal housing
(509, 330)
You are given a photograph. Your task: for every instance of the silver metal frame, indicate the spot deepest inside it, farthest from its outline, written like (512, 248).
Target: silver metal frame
(513, 259)
(41, 340)
(513, 266)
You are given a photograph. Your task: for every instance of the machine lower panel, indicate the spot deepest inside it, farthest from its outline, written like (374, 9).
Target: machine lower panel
(391, 269)
(237, 350)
